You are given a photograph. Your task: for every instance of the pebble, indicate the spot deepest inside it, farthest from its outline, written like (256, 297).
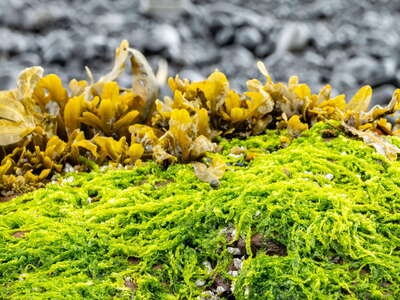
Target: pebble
(243, 58)
(220, 289)
(200, 282)
(383, 94)
(166, 9)
(238, 263)
(225, 36)
(293, 37)
(248, 37)
(329, 45)
(164, 37)
(6, 81)
(208, 266)
(194, 54)
(68, 179)
(234, 251)
(29, 59)
(362, 68)
(264, 49)
(192, 75)
(329, 176)
(112, 21)
(233, 273)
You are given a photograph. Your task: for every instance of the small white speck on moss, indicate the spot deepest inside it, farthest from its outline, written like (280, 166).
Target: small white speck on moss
(207, 264)
(233, 273)
(238, 263)
(234, 251)
(67, 180)
(200, 282)
(220, 289)
(247, 291)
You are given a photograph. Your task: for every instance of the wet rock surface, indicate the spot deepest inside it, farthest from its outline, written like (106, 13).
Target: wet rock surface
(344, 43)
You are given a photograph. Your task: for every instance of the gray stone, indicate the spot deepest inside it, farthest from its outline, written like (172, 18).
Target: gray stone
(191, 75)
(225, 36)
(293, 37)
(383, 94)
(164, 37)
(248, 37)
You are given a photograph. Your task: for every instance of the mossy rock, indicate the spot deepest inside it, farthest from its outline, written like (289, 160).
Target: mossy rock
(316, 219)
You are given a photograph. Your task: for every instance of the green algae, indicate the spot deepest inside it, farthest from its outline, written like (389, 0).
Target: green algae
(332, 205)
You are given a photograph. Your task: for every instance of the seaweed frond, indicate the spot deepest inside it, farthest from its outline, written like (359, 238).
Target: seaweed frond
(46, 127)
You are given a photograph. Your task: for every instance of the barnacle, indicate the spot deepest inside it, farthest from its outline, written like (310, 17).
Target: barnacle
(45, 126)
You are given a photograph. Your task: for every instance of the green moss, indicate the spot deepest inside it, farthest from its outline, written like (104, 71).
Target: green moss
(328, 209)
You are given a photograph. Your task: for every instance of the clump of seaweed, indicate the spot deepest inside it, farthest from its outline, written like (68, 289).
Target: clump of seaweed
(326, 226)
(46, 127)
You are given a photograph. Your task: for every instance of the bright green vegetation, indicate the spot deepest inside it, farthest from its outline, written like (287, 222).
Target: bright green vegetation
(319, 219)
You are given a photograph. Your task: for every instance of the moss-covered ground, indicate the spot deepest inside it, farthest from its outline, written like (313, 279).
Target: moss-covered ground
(318, 219)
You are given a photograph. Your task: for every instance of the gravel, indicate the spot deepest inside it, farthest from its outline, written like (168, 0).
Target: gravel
(344, 43)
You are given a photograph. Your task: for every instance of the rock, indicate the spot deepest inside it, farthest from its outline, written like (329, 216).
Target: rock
(57, 47)
(198, 27)
(201, 35)
(199, 53)
(29, 59)
(293, 37)
(322, 37)
(6, 81)
(164, 37)
(41, 18)
(239, 57)
(225, 36)
(99, 8)
(95, 46)
(167, 9)
(322, 11)
(264, 49)
(112, 22)
(12, 18)
(383, 94)
(191, 75)
(314, 58)
(389, 66)
(248, 37)
(239, 20)
(16, 42)
(346, 34)
(362, 69)
(344, 81)
(184, 32)
(335, 58)
(219, 21)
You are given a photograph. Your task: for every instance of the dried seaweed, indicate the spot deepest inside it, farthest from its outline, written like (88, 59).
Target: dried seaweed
(45, 127)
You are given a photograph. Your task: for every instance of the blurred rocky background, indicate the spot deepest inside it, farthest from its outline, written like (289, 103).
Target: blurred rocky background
(347, 43)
